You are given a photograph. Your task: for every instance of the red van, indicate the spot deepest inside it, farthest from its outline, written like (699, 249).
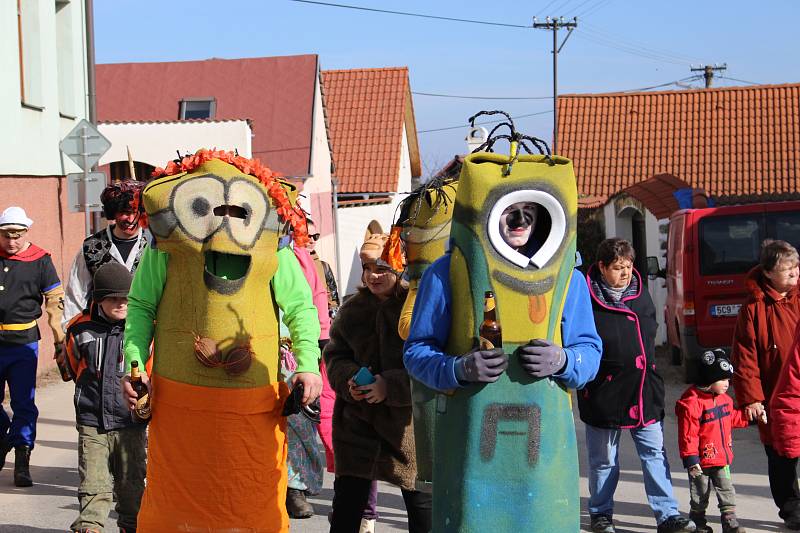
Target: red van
(709, 252)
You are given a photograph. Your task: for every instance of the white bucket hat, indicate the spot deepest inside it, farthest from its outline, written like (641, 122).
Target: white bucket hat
(15, 218)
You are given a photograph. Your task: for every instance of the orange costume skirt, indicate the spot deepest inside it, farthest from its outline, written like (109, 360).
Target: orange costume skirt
(216, 460)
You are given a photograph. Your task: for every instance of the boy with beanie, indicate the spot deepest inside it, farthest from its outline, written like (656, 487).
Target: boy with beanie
(111, 445)
(706, 417)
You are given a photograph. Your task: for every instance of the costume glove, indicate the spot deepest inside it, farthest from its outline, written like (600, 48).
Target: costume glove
(481, 366)
(541, 358)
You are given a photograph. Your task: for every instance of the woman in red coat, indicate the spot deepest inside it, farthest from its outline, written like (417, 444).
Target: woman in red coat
(762, 342)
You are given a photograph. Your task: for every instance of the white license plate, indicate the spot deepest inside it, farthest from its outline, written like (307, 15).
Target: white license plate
(725, 310)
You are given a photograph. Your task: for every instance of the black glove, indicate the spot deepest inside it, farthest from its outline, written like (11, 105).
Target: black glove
(541, 358)
(481, 366)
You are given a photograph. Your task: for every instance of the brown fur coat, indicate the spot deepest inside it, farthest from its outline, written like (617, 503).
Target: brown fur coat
(372, 441)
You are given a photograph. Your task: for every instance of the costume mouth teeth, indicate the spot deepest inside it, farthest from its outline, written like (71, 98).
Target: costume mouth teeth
(225, 273)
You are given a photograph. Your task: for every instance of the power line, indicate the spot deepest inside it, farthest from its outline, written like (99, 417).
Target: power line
(482, 97)
(740, 81)
(407, 14)
(470, 97)
(591, 9)
(627, 49)
(548, 4)
(464, 126)
(600, 33)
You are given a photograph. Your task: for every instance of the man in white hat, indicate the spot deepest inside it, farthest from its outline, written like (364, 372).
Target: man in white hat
(28, 278)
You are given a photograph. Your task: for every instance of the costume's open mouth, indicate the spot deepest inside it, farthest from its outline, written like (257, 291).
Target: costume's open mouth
(225, 273)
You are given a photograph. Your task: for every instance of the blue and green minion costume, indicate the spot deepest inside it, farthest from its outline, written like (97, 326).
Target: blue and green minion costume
(505, 456)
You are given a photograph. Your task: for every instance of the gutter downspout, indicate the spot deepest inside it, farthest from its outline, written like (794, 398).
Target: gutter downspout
(335, 198)
(92, 220)
(90, 77)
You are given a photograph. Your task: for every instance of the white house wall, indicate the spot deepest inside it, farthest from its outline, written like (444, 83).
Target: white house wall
(617, 226)
(317, 188)
(55, 59)
(156, 143)
(353, 222)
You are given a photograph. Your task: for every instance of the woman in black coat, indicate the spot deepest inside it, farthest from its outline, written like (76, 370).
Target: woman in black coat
(627, 393)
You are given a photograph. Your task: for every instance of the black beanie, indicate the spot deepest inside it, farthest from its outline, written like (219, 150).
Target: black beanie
(714, 366)
(111, 280)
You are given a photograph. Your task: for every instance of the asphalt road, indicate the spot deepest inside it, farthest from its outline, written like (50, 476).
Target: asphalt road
(51, 504)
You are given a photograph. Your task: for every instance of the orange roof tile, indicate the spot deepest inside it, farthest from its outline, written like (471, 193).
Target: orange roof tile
(732, 141)
(367, 109)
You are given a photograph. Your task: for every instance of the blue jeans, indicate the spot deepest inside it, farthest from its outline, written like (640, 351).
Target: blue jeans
(603, 448)
(18, 368)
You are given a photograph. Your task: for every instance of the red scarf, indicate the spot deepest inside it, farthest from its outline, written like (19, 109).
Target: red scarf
(32, 253)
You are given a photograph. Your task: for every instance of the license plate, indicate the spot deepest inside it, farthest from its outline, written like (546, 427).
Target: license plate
(725, 310)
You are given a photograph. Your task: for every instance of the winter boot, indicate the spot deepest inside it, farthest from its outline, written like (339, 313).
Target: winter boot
(22, 471)
(700, 521)
(296, 504)
(677, 524)
(4, 449)
(730, 524)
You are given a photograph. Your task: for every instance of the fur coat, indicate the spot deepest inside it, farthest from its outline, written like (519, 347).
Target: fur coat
(372, 441)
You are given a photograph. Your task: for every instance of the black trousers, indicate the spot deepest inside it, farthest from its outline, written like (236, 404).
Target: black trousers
(782, 473)
(350, 496)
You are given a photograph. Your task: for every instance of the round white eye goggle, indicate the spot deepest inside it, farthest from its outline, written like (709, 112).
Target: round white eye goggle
(558, 227)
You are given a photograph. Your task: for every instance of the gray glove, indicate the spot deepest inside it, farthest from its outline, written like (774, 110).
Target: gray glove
(481, 366)
(541, 358)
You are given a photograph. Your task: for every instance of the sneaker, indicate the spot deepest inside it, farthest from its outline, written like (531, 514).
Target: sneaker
(677, 524)
(296, 504)
(367, 526)
(730, 524)
(602, 524)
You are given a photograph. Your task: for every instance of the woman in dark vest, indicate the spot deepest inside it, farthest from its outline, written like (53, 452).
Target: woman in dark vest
(627, 393)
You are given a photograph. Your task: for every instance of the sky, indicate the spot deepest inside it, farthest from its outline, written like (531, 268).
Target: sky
(618, 45)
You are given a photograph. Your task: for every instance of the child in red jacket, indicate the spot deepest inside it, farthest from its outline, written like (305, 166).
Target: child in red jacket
(706, 417)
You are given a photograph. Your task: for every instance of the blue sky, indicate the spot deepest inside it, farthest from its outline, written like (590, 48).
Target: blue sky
(606, 53)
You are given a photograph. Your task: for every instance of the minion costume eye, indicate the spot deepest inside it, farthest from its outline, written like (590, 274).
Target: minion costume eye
(245, 231)
(554, 239)
(193, 202)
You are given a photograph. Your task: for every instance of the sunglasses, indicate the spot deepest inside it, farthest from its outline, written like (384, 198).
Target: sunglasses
(13, 233)
(314, 236)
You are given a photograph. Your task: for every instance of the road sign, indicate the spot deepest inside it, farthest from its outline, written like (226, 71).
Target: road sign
(83, 191)
(85, 145)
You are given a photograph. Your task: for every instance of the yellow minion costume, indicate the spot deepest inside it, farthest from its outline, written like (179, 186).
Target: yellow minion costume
(207, 296)
(505, 456)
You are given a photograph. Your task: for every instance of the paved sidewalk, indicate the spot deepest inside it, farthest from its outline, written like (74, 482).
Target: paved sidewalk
(51, 504)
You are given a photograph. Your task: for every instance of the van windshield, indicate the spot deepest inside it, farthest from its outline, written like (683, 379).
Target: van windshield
(729, 244)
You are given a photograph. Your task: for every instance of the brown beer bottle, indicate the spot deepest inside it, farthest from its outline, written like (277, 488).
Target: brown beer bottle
(491, 335)
(142, 409)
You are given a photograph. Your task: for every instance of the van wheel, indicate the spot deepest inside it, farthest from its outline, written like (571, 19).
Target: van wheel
(675, 352)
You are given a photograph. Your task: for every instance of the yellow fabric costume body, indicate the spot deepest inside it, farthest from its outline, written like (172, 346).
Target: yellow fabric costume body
(217, 446)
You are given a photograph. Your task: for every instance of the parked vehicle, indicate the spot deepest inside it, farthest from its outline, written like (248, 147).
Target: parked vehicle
(709, 252)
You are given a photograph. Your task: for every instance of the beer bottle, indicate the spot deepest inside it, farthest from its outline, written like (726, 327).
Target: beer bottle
(142, 409)
(491, 335)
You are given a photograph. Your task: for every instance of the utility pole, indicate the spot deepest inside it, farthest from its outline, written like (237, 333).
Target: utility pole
(708, 71)
(554, 24)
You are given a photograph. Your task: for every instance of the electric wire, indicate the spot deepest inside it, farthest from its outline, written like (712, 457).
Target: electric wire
(465, 97)
(599, 32)
(591, 9)
(736, 79)
(462, 126)
(544, 9)
(407, 14)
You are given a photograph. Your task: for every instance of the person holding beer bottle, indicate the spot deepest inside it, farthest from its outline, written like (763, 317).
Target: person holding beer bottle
(111, 443)
(573, 364)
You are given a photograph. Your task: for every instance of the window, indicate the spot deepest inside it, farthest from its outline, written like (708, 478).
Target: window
(197, 108)
(64, 56)
(30, 53)
(729, 244)
(785, 226)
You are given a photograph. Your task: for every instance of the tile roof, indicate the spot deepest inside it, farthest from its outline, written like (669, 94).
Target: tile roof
(277, 93)
(735, 141)
(367, 109)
